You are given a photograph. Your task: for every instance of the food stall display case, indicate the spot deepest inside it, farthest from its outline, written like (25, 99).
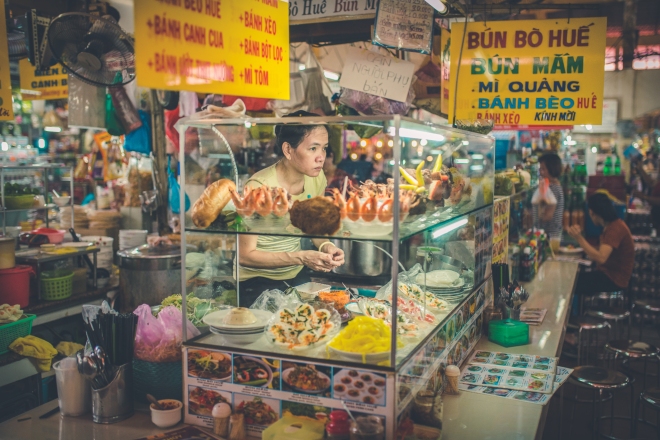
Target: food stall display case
(442, 251)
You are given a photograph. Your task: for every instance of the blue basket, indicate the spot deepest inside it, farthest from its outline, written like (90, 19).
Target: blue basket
(163, 380)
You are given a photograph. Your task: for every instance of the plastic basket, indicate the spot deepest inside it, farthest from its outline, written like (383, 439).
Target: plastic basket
(14, 330)
(163, 380)
(53, 289)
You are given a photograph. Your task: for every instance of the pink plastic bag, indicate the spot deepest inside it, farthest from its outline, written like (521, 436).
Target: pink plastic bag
(158, 339)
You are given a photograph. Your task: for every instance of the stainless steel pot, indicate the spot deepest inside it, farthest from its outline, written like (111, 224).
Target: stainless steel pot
(369, 258)
(148, 275)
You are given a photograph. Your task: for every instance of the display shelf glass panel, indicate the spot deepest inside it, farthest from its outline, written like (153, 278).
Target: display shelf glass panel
(442, 229)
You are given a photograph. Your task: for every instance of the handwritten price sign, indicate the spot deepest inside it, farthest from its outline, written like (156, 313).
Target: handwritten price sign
(533, 72)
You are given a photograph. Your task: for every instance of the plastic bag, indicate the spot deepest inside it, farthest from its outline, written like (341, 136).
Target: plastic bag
(173, 191)
(159, 339)
(367, 104)
(274, 300)
(139, 140)
(543, 194)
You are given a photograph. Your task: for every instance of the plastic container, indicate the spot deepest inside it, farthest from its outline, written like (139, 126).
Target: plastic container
(14, 330)
(58, 286)
(7, 252)
(15, 285)
(508, 333)
(74, 392)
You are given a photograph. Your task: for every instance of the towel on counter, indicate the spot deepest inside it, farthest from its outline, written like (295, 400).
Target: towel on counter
(66, 348)
(42, 351)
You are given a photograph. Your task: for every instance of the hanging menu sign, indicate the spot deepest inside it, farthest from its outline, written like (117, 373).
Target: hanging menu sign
(377, 74)
(303, 10)
(529, 72)
(212, 46)
(6, 111)
(50, 83)
(445, 63)
(404, 24)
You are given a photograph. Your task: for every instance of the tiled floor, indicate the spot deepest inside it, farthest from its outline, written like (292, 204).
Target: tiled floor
(581, 426)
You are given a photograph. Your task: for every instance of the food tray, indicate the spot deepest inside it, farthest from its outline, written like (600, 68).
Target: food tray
(14, 330)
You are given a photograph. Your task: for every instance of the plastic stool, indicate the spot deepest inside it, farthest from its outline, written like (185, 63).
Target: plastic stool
(586, 325)
(646, 306)
(648, 398)
(612, 314)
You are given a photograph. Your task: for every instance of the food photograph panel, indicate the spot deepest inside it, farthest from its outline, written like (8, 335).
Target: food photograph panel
(257, 371)
(359, 386)
(307, 379)
(259, 412)
(201, 400)
(209, 364)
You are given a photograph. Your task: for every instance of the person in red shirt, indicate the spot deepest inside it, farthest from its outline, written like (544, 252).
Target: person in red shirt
(614, 257)
(654, 198)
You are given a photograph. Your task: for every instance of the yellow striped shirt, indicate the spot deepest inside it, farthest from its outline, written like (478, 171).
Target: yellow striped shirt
(314, 186)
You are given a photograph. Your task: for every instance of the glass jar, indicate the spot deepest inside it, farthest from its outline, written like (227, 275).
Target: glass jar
(367, 428)
(339, 426)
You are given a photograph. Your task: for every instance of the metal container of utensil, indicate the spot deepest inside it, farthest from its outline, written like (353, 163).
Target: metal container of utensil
(114, 402)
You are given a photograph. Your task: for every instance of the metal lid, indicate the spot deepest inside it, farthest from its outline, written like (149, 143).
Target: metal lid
(144, 257)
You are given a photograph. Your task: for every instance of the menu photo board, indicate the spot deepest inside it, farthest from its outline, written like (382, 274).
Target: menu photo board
(275, 393)
(528, 72)
(212, 46)
(501, 230)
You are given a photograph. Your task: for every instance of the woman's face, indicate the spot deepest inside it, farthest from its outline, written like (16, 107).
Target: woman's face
(543, 171)
(309, 157)
(598, 221)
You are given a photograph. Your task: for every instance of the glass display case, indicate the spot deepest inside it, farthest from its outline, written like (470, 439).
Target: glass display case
(319, 339)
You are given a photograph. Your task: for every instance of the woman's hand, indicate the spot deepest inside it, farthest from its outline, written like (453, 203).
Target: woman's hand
(337, 254)
(575, 231)
(319, 261)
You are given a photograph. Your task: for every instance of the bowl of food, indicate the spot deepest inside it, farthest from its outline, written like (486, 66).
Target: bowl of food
(169, 416)
(23, 201)
(62, 200)
(305, 379)
(239, 316)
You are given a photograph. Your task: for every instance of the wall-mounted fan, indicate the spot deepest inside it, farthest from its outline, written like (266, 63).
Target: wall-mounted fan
(16, 41)
(94, 49)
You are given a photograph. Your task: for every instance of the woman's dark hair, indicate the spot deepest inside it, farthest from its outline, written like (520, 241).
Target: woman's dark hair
(552, 163)
(292, 133)
(602, 206)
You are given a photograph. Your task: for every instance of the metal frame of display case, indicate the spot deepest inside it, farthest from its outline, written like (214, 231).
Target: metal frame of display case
(425, 347)
(34, 167)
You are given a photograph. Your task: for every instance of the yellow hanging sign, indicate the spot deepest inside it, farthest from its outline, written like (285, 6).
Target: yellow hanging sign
(51, 83)
(211, 46)
(6, 110)
(529, 72)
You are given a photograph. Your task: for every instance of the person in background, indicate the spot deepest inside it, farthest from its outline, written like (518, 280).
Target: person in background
(551, 218)
(614, 257)
(654, 198)
(378, 175)
(335, 176)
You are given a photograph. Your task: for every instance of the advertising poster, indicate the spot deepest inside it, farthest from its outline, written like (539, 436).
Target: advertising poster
(529, 72)
(501, 230)
(51, 83)
(227, 47)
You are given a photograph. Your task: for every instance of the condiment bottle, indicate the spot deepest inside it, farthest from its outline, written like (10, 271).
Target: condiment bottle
(339, 426)
(452, 372)
(237, 427)
(367, 428)
(221, 413)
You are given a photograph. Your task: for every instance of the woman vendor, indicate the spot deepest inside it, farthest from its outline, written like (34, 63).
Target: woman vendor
(614, 257)
(272, 262)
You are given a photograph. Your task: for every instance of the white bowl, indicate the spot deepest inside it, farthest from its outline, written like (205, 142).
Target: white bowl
(168, 417)
(217, 319)
(238, 339)
(371, 358)
(62, 201)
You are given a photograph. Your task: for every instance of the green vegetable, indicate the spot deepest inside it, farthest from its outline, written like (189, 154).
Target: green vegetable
(196, 308)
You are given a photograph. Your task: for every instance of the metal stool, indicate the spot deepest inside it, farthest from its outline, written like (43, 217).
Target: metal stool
(632, 350)
(648, 398)
(586, 326)
(599, 380)
(645, 306)
(604, 299)
(612, 314)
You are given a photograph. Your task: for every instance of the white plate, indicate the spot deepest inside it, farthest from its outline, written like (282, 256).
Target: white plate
(438, 278)
(77, 244)
(371, 358)
(216, 319)
(565, 250)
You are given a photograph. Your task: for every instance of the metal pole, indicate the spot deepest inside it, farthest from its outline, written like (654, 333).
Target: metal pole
(395, 240)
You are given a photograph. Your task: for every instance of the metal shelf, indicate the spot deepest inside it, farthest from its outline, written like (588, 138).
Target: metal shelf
(40, 208)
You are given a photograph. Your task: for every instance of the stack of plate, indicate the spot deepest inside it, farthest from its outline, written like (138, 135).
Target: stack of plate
(446, 284)
(105, 256)
(132, 238)
(238, 333)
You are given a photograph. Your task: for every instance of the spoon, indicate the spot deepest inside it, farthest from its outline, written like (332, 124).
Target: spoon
(55, 192)
(156, 403)
(349, 413)
(102, 360)
(80, 360)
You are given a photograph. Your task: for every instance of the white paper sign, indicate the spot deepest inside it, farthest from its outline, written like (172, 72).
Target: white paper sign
(377, 74)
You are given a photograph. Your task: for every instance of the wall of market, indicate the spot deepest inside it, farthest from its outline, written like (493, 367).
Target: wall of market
(637, 91)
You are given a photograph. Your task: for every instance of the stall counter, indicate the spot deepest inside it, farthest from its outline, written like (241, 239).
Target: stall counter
(57, 427)
(478, 416)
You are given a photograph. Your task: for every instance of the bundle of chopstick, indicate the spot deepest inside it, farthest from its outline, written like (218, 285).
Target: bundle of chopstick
(115, 333)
